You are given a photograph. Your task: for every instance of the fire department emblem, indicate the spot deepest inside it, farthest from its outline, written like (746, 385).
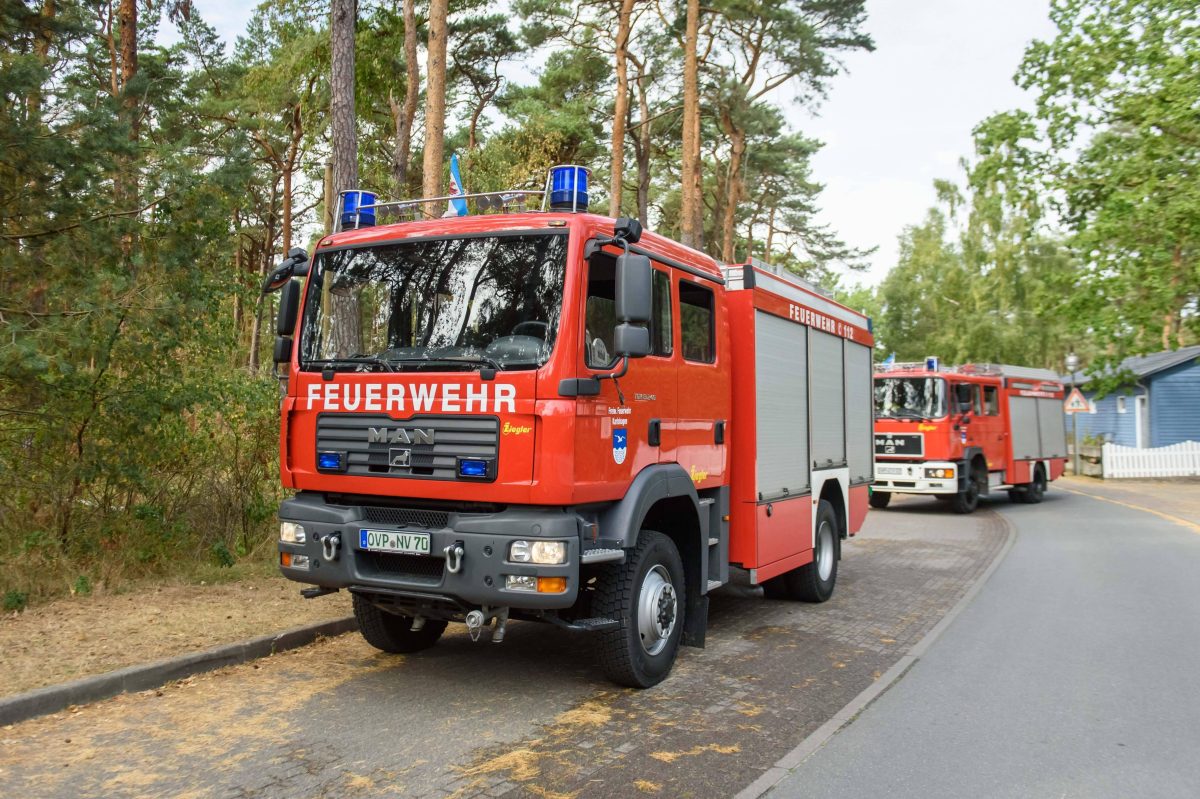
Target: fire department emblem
(620, 445)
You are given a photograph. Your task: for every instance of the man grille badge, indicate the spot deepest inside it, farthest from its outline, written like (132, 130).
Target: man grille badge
(399, 457)
(400, 435)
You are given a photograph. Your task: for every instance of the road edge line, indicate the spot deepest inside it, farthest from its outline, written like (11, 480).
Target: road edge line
(1182, 522)
(53, 698)
(818, 737)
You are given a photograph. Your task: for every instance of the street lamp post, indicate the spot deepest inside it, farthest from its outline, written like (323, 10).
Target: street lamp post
(1072, 365)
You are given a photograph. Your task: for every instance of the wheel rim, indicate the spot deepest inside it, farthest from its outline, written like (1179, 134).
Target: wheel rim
(825, 550)
(658, 610)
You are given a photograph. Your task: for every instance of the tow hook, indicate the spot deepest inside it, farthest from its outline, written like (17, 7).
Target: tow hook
(454, 559)
(474, 620)
(478, 618)
(330, 545)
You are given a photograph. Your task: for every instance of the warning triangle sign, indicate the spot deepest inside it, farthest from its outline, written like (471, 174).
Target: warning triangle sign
(1076, 403)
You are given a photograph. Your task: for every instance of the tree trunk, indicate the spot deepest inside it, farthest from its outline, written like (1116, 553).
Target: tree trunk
(643, 150)
(691, 232)
(127, 16)
(343, 16)
(288, 170)
(412, 91)
(620, 109)
(733, 186)
(770, 234)
(41, 47)
(435, 103)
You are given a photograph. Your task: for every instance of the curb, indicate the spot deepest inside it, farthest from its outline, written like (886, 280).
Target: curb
(816, 739)
(54, 698)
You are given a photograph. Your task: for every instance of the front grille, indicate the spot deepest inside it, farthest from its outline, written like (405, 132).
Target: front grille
(407, 517)
(417, 568)
(454, 437)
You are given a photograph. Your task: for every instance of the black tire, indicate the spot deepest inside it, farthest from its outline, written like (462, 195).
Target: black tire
(1016, 495)
(640, 653)
(1035, 491)
(967, 500)
(880, 499)
(814, 581)
(390, 632)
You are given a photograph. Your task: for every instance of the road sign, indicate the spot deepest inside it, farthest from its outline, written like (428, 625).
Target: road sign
(1076, 402)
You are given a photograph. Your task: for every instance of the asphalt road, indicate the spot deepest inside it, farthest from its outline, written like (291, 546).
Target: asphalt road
(1074, 672)
(529, 717)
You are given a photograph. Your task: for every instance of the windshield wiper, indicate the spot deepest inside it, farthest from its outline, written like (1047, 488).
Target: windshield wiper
(354, 360)
(466, 360)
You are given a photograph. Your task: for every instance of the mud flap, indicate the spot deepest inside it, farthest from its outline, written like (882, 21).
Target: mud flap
(696, 620)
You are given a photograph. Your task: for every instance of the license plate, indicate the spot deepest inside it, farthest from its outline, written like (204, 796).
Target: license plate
(888, 470)
(392, 541)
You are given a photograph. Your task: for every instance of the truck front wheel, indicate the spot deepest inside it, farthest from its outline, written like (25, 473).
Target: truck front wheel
(813, 582)
(646, 595)
(393, 633)
(967, 500)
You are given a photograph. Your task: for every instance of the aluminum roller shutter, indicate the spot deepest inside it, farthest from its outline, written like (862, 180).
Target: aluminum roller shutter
(781, 403)
(828, 417)
(1026, 440)
(1052, 428)
(860, 448)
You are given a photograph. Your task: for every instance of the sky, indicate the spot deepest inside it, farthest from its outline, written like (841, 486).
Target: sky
(899, 118)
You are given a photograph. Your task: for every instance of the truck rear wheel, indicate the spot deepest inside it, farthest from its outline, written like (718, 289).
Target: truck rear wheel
(880, 499)
(646, 594)
(390, 632)
(1036, 490)
(815, 581)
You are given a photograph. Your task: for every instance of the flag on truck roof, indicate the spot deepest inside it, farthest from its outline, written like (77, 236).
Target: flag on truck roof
(457, 207)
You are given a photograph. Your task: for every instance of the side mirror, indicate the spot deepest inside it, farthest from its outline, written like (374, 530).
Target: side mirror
(289, 307)
(633, 289)
(631, 341)
(296, 264)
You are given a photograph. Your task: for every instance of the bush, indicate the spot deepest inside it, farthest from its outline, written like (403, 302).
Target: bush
(15, 600)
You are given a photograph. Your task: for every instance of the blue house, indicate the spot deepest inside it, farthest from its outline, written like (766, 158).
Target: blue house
(1160, 407)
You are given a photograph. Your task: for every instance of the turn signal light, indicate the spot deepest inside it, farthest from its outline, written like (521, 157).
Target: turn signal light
(552, 585)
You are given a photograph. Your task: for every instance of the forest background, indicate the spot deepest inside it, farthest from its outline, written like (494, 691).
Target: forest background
(145, 189)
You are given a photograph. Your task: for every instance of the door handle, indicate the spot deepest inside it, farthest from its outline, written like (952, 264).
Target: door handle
(655, 435)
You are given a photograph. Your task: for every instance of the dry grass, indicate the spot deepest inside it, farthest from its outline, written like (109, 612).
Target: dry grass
(81, 636)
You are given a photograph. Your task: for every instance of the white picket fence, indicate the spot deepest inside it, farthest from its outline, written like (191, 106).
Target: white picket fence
(1176, 460)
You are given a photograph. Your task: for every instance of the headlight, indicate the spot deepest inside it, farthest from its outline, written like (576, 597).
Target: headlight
(291, 533)
(544, 552)
(939, 473)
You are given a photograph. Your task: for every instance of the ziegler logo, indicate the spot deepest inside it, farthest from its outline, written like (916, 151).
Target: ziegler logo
(417, 435)
(515, 430)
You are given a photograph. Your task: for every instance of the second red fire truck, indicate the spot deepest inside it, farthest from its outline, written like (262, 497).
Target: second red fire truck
(959, 433)
(555, 416)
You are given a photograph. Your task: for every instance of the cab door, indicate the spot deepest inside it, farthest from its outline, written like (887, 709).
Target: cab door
(704, 384)
(632, 423)
(989, 426)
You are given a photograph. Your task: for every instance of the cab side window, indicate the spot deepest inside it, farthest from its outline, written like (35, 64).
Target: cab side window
(601, 317)
(661, 332)
(976, 400)
(991, 401)
(696, 321)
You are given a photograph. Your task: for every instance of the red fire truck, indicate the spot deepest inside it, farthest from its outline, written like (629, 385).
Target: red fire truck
(550, 415)
(958, 433)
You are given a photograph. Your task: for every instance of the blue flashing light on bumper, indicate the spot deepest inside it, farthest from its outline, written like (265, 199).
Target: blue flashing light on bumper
(471, 467)
(329, 461)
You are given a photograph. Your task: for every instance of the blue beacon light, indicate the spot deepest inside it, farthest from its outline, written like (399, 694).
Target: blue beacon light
(354, 215)
(472, 468)
(569, 188)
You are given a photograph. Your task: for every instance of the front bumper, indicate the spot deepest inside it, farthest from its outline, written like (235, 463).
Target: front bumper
(484, 538)
(910, 478)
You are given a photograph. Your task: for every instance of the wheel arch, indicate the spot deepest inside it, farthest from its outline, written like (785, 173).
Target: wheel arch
(831, 492)
(663, 498)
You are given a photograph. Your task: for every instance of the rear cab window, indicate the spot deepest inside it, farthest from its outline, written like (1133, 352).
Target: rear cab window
(696, 322)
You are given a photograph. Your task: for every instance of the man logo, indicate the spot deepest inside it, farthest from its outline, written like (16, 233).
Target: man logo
(620, 445)
(418, 435)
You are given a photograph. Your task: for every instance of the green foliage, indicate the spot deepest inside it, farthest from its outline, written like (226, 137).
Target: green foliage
(82, 586)
(15, 600)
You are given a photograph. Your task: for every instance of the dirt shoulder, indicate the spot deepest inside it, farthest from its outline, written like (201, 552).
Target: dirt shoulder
(82, 636)
(1177, 498)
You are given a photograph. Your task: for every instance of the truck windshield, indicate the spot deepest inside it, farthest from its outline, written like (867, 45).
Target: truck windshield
(910, 397)
(455, 303)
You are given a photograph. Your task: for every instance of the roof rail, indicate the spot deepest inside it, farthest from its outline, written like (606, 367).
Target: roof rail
(779, 271)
